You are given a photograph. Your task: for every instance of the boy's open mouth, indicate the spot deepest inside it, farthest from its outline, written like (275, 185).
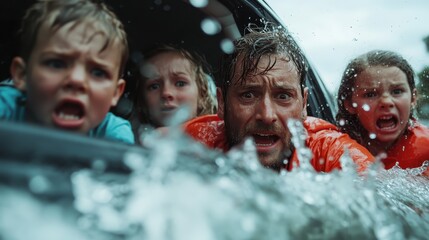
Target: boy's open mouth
(387, 122)
(69, 114)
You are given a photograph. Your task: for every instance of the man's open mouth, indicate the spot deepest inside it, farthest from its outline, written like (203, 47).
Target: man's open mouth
(265, 140)
(387, 122)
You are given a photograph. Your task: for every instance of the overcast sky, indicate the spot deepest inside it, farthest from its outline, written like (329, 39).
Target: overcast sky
(332, 32)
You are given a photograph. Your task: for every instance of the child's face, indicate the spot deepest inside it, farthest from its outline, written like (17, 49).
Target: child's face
(171, 83)
(382, 100)
(70, 80)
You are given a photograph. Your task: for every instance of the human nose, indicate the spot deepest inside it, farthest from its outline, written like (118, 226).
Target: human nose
(167, 92)
(77, 79)
(266, 112)
(386, 101)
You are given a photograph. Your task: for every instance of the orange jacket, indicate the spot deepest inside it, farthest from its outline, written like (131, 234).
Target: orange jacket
(411, 150)
(324, 140)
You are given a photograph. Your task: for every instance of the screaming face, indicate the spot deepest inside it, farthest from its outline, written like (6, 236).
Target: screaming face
(260, 106)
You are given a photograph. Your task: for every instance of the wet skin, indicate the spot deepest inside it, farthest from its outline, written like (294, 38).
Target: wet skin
(170, 83)
(260, 108)
(71, 83)
(382, 100)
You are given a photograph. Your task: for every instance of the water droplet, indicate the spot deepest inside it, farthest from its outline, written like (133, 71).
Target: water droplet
(210, 26)
(220, 162)
(39, 184)
(199, 3)
(366, 107)
(372, 135)
(227, 46)
(99, 165)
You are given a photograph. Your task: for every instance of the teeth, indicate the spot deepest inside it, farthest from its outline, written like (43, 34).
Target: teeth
(68, 116)
(385, 118)
(264, 144)
(264, 135)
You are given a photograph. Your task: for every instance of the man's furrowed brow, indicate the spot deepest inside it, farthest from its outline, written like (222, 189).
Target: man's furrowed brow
(285, 86)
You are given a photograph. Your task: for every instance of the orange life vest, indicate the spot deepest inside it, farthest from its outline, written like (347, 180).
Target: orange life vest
(411, 150)
(324, 139)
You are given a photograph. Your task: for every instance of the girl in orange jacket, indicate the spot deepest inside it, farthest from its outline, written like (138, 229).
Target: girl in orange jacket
(376, 99)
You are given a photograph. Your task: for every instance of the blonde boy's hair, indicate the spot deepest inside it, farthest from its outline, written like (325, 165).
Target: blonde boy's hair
(57, 13)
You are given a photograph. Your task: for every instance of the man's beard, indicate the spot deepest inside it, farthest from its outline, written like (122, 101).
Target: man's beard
(236, 136)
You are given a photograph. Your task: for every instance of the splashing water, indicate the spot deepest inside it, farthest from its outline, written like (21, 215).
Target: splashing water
(298, 140)
(181, 190)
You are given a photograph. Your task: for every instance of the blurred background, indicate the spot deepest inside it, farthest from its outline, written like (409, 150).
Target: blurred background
(332, 32)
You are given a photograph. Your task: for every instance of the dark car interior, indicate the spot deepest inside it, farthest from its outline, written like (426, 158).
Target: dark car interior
(148, 23)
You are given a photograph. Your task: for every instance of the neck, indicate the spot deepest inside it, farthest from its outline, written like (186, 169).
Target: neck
(376, 147)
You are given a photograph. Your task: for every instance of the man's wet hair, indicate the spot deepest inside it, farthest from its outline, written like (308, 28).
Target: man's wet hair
(57, 13)
(259, 42)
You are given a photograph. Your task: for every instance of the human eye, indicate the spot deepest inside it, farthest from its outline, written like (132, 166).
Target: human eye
(283, 96)
(181, 83)
(99, 73)
(369, 94)
(397, 91)
(55, 63)
(247, 95)
(153, 86)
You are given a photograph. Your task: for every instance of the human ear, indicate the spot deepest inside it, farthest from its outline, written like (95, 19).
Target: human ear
(414, 98)
(349, 106)
(220, 103)
(18, 73)
(304, 102)
(120, 87)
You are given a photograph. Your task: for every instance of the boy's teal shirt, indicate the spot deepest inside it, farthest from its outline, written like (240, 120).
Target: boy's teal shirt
(112, 127)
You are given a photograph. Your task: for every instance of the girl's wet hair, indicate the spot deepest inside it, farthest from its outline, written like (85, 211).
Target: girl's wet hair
(350, 123)
(207, 103)
(249, 49)
(57, 13)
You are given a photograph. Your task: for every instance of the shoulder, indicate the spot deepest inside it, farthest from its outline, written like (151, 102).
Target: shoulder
(206, 123)
(9, 102)
(420, 130)
(411, 150)
(204, 119)
(313, 124)
(207, 129)
(328, 143)
(115, 128)
(320, 129)
(417, 136)
(417, 139)
(8, 90)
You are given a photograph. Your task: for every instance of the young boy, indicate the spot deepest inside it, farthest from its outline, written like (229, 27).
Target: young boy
(68, 73)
